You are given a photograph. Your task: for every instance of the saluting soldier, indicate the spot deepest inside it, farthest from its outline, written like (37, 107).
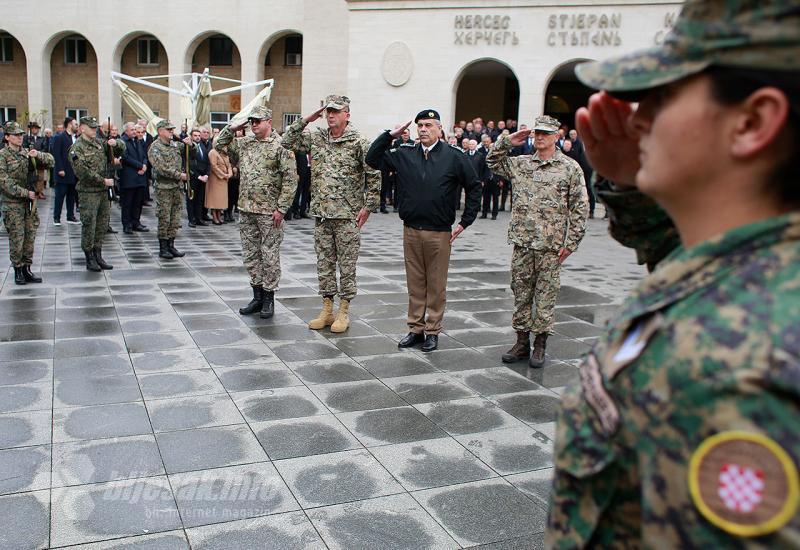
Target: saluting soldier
(339, 176)
(89, 158)
(166, 158)
(20, 216)
(548, 221)
(266, 190)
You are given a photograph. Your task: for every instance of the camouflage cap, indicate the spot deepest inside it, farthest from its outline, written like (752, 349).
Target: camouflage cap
(89, 121)
(260, 113)
(337, 102)
(547, 124)
(12, 127)
(165, 124)
(763, 34)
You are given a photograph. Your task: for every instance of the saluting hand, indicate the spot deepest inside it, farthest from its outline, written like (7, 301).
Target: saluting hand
(518, 138)
(314, 116)
(456, 232)
(397, 132)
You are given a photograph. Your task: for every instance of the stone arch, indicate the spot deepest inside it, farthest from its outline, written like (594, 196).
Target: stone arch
(73, 85)
(126, 60)
(200, 46)
(286, 96)
(486, 73)
(563, 93)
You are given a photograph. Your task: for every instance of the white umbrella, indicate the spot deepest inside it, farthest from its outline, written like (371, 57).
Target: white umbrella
(202, 106)
(261, 100)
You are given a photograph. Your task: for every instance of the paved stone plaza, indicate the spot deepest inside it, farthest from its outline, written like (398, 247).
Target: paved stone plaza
(138, 408)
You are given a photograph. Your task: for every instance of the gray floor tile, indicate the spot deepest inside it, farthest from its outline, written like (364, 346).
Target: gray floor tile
(25, 429)
(396, 522)
(88, 367)
(336, 478)
(237, 356)
(532, 407)
(24, 469)
(459, 359)
(204, 448)
(280, 532)
(225, 337)
(511, 451)
(101, 421)
(90, 513)
(96, 390)
(25, 518)
(26, 331)
(193, 412)
(83, 347)
(26, 397)
(291, 352)
(171, 540)
(22, 351)
(495, 381)
(536, 484)
(164, 361)
(428, 388)
(554, 374)
(465, 416)
(293, 402)
(232, 493)
(25, 372)
(483, 511)
(256, 377)
(157, 341)
(399, 364)
(83, 329)
(357, 396)
(393, 425)
(330, 371)
(180, 384)
(296, 437)
(433, 463)
(367, 345)
(102, 460)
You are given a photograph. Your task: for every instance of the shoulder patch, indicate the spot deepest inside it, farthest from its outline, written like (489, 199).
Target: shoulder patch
(597, 396)
(408, 145)
(744, 483)
(456, 147)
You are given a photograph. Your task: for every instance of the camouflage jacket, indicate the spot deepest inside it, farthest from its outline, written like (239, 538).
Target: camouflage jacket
(339, 172)
(268, 172)
(682, 431)
(550, 203)
(89, 159)
(14, 174)
(167, 160)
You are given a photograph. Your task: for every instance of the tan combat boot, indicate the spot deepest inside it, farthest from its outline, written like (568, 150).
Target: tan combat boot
(325, 317)
(342, 318)
(521, 351)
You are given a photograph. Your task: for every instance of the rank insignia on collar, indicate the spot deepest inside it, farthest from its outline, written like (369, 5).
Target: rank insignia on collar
(744, 483)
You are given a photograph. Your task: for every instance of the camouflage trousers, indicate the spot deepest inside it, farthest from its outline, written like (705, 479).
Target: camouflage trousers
(337, 242)
(261, 249)
(95, 215)
(535, 281)
(21, 226)
(169, 206)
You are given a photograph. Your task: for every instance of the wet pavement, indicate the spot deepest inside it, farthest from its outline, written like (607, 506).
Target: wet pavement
(138, 408)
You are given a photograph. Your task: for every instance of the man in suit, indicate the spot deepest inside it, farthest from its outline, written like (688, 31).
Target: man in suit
(63, 174)
(132, 180)
(198, 169)
(148, 140)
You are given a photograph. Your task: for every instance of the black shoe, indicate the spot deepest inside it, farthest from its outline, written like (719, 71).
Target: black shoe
(141, 228)
(431, 343)
(91, 261)
(30, 276)
(494, 216)
(383, 210)
(174, 251)
(411, 339)
(268, 309)
(191, 224)
(163, 250)
(19, 276)
(304, 215)
(201, 223)
(73, 221)
(483, 216)
(110, 229)
(206, 218)
(128, 231)
(98, 256)
(255, 304)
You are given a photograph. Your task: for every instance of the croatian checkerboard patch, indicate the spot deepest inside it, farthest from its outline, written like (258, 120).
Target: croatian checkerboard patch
(744, 483)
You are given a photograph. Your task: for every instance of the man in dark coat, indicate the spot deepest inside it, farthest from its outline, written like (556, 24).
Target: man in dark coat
(132, 180)
(62, 172)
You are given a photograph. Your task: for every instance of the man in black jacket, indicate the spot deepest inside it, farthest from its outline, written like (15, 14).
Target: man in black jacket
(63, 174)
(198, 169)
(429, 176)
(132, 180)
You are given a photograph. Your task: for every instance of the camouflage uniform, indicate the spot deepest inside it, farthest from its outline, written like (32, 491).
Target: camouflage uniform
(268, 183)
(89, 159)
(338, 177)
(682, 432)
(20, 223)
(167, 162)
(549, 212)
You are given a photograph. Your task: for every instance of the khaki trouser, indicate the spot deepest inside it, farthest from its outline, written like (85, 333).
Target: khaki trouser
(427, 258)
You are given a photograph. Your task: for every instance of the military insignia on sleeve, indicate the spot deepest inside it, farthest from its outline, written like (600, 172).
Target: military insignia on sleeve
(744, 483)
(597, 397)
(631, 345)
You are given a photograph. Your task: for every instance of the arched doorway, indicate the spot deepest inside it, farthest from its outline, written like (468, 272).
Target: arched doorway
(73, 70)
(487, 89)
(142, 55)
(14, 81)
(218, 53)
(283, 61)
(565, 94)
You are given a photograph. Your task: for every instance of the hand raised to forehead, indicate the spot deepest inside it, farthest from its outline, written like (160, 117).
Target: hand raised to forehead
(397, 132)
(518, 138)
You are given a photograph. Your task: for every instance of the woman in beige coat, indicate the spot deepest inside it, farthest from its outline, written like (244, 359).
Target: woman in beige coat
(217, 184)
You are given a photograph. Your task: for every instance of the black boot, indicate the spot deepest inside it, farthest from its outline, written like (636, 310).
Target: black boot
(174, 251)
(19, 276)
(163, 249)
(30, 276)
(91, 261)
(268, 309)
(521, 350)
(255, 304)
(98, 256)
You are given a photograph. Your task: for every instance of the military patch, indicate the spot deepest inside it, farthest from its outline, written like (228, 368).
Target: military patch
(744, 483)
(631, 345)
(407, 145)
(596, 395)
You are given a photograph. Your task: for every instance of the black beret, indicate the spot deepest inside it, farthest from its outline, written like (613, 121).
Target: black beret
(427, 113)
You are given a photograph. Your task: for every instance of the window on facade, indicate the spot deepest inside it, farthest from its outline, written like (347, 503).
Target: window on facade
(294, 51)
(76, 112)
(148, 51)
(220, 51)
(220, 120)
(289, 119)
(75, 50)
(6, 49)
(7, 113)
